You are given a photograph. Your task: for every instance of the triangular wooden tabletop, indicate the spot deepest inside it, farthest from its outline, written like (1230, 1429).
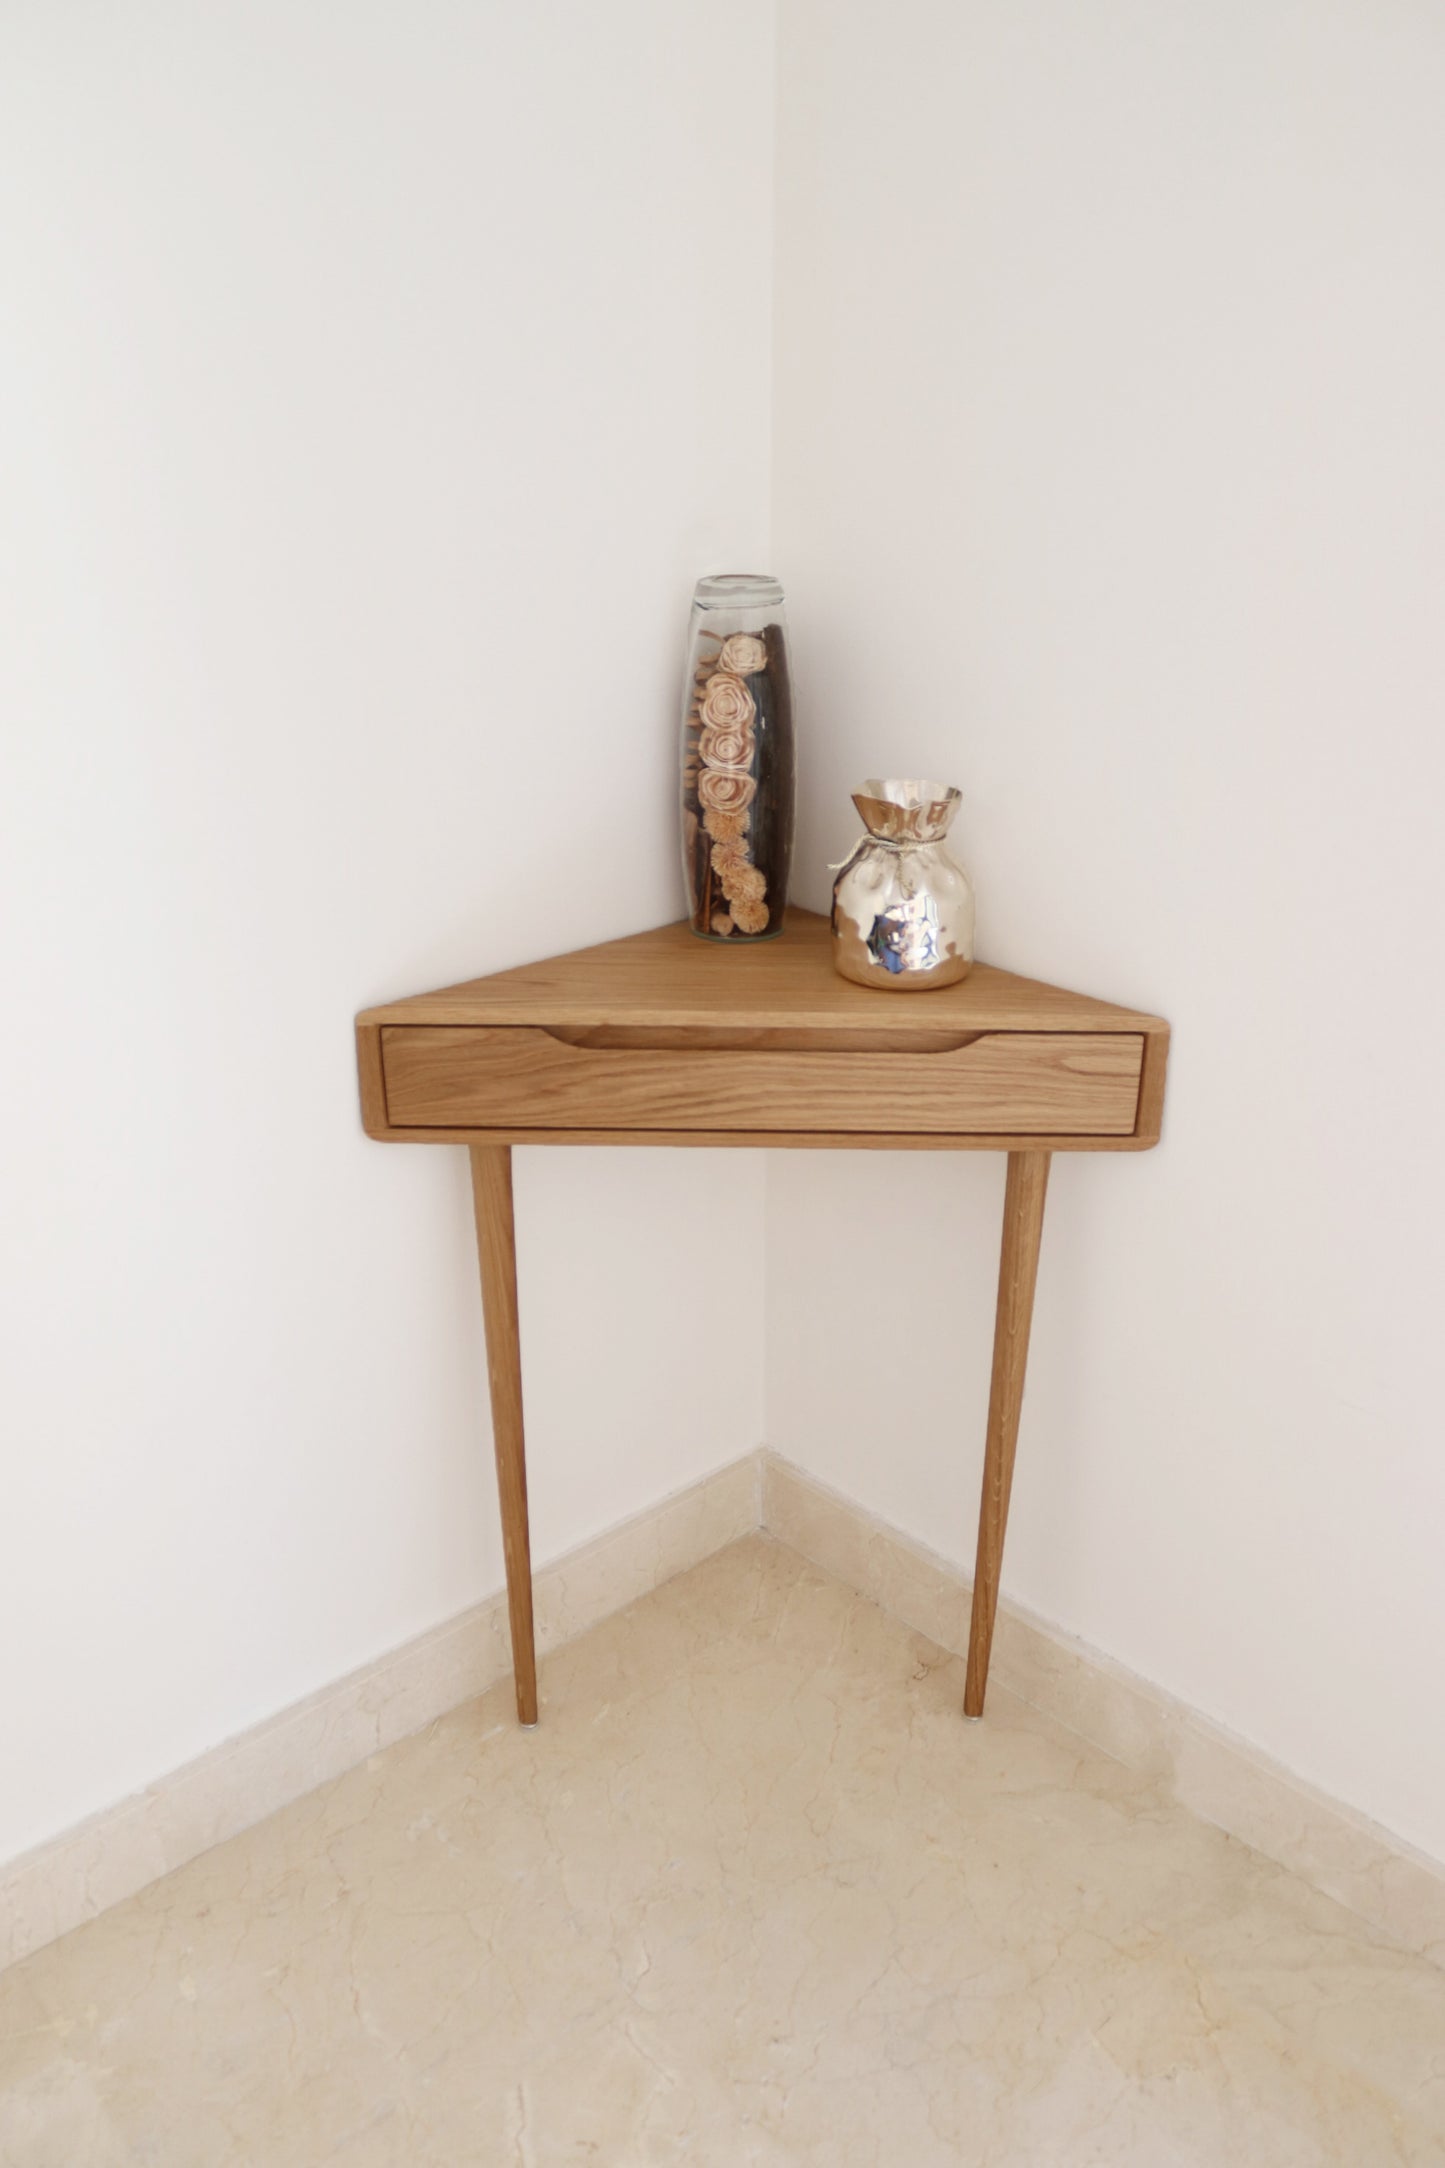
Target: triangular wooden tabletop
(668, 978)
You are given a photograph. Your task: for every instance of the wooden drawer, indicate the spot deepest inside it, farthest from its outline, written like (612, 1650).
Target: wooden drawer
(523, 1077)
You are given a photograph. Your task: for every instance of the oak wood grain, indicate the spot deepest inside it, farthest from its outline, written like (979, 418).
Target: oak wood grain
(668, 977)
(1150, 1116)
(774, 1140)
(497, 1255)
(1029, 1082)
(371, 1081)
(1023, 1221)
(661, 1039)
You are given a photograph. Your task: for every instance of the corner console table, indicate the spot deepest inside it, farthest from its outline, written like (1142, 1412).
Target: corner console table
(665, 1039)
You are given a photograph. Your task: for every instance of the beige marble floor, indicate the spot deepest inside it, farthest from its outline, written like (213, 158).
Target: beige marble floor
(753, 1893)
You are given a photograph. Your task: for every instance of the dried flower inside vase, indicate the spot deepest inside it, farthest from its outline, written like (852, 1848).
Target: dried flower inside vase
(737, 759)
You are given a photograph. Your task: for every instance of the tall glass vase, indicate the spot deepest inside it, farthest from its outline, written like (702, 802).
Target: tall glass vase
(737, 759)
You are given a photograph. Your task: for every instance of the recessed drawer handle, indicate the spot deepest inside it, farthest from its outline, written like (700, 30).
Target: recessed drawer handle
(704, 1039)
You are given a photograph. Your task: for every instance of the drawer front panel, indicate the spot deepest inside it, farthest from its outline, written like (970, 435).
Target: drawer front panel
(520, 1077)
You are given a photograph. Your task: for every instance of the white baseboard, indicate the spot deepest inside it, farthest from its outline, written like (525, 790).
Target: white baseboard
(119, 1851)
(63, 1883)
(1222, 1779)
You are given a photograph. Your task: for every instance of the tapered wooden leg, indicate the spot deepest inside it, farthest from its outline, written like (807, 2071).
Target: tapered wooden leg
(1023, 1223)
(497, 1250)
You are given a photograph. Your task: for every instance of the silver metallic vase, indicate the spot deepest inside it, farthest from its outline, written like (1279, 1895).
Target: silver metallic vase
(902, 904)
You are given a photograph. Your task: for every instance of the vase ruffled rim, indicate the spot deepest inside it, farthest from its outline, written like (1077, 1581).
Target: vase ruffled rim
(906, 809)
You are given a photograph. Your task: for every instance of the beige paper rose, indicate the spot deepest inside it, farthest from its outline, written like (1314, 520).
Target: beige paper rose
(726, 790)
(726, 745)
(750, 917)
(726, 699)
(743, 652)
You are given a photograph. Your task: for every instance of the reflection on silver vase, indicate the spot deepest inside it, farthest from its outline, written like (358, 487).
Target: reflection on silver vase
(902, 904)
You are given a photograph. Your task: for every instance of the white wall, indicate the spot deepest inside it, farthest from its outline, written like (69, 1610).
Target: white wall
(375, 382)
(1111, 450)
